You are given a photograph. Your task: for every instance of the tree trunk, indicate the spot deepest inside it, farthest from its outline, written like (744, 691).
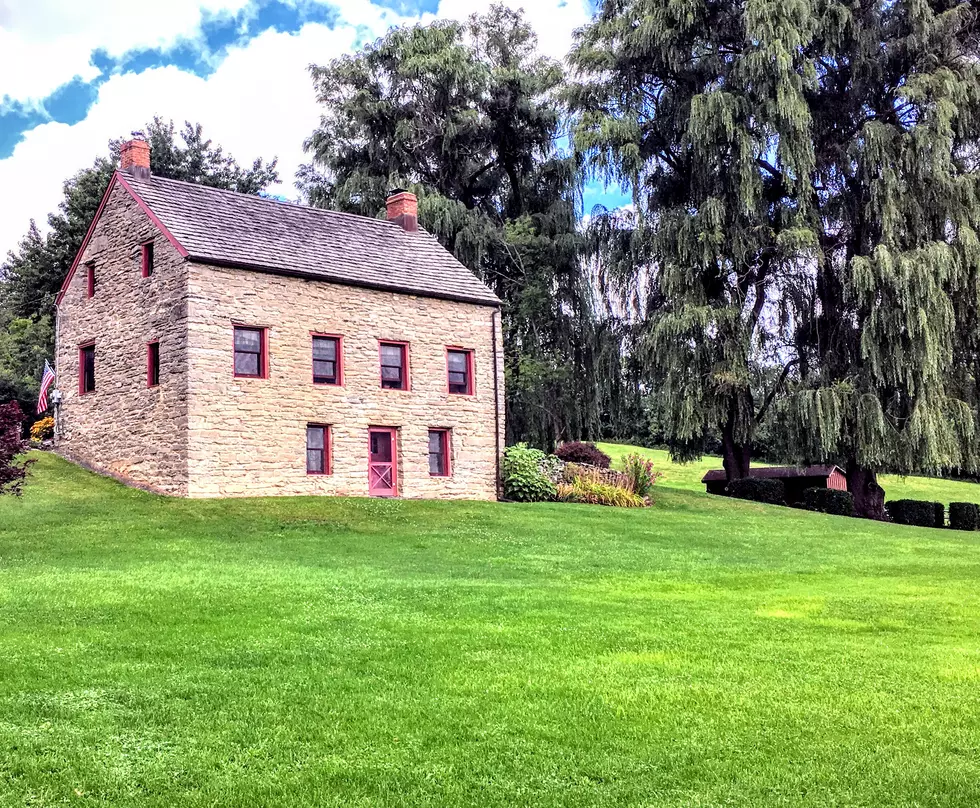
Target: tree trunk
(869, 497)
(736, 456)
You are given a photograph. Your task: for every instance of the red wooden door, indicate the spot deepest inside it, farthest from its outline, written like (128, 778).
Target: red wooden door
(382, 463)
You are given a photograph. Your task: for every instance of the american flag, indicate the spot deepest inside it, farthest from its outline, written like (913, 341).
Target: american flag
(46, 381)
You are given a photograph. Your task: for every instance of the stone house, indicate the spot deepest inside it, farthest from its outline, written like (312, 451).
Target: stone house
(214, 344)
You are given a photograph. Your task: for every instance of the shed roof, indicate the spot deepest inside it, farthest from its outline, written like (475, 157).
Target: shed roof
(226, 228)
(776, 472)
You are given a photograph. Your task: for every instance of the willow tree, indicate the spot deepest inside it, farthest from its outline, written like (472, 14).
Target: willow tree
(887, 326)
(700, 108)
(466, 115)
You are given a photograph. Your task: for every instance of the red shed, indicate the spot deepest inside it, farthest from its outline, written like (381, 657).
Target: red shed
(796, 479)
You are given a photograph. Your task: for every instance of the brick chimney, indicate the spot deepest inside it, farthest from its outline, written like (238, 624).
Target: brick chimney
(403, 209)
(134, 158)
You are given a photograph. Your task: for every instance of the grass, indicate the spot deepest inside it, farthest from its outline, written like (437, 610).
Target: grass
(327, 652)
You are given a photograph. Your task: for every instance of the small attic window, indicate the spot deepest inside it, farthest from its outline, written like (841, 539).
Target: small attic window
(90, 280)
(146, 261)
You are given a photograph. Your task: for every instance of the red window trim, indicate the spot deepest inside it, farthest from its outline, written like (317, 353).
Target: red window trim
(146, 258)
(81, 366)
(327, 450)
(406, 365)
(90, 279)
(447, 451)
(340, 359)
(149, 363)
(263, 355)
(470, 367)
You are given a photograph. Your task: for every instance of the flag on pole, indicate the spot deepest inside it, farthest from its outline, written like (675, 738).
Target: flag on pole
(46, 381)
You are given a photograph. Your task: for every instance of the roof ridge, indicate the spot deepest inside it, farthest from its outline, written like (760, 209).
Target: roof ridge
(256, 197)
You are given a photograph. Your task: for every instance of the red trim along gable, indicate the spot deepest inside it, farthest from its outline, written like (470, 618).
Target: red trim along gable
(116, 177)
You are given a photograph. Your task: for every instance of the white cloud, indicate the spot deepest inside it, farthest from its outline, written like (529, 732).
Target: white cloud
(258, 103)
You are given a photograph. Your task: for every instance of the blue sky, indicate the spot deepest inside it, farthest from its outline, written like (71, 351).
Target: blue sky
(71, 78)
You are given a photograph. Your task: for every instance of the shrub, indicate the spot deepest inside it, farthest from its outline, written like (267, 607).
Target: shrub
(574, 471)
(641, 475)
(587, 453)
(591, 492)
(964, 516)
(827, 500)
(12, 472)
(526, 474)
(42, 429)
(916, 512)
(772, 492)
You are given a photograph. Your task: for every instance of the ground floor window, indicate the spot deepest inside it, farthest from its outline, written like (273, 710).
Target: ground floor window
(439, 465)
(317, 449)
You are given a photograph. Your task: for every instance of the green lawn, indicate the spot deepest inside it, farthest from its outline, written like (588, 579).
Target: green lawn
(319, 652)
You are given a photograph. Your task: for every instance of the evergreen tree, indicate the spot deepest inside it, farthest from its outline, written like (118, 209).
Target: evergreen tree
(700, 109)
(32, 275)
(466, 115)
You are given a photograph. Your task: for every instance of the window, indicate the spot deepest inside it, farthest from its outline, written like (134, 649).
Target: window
(152, 364)
(147, 259)
(86, 369)
(326, 360)
(439, 453)
(317, 449)
(460, 367)
(90, 279)
(250, 355)
(394, 365)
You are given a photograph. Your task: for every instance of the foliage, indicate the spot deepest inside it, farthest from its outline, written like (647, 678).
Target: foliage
(42, 429)
(13, 469)
(573, 471)
(828, 500)
(641, 474)
(579, 452)
(31, 276)
(588, 491)
(964, 516)
(772, 492)
(527, 474)
(465, 114)
(916, 512)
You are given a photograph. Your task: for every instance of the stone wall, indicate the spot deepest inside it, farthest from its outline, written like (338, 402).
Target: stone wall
(247, 437)
(125, 428)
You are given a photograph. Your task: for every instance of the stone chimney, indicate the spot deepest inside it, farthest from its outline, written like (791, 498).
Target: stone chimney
(403, 209)
(134, 158)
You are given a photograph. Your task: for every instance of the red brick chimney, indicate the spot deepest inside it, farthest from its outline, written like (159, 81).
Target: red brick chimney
(403, 209)
(134, 158)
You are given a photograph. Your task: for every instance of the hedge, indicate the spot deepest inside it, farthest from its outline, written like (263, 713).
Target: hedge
(916, 512)
(828, 500)
(772, 492)
(964, 516)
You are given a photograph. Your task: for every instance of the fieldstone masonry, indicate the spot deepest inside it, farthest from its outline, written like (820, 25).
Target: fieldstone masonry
(204, 433)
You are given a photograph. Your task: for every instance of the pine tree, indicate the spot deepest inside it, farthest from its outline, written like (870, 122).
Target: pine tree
(466, 115)
(700, 109)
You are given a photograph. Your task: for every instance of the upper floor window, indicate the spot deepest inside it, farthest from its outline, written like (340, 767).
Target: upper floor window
(152, 364)
(90, 279)
(146, 259)
(394, 365)
(317, 449)
(86, 368)
(460, 368)
(326, 360)
(251, 359)
(439, 453)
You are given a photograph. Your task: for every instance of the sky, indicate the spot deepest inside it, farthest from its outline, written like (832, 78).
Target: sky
(76, 73)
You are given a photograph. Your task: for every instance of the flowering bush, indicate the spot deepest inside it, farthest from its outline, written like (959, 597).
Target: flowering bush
(641, 475)
(587, 453)
(42, 429)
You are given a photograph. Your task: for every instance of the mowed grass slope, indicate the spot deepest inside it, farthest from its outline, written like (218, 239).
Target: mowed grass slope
(319, 652)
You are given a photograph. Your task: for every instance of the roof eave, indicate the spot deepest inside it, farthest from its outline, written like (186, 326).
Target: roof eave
(327, 278)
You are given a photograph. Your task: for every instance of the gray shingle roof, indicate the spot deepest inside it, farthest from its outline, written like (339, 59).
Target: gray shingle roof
(228, 228)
